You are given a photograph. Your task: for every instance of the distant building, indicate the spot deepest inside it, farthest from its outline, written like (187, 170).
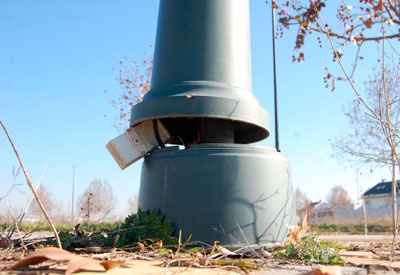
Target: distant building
(322, 210)
(378, 206)
(380, 196)
(326, 213)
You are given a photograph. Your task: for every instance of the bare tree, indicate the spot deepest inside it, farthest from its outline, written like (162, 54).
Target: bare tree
(303, 204)
(365, 143)
(373, 138)
(356, 24)
(60, 214)
(133, 204)
(134, 79)
(14, 185)
(338, 196)
(48, 202)
(101, 201)
(383, 115)
(86, 209)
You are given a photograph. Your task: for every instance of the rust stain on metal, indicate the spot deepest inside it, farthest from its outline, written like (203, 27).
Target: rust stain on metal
(190, 96)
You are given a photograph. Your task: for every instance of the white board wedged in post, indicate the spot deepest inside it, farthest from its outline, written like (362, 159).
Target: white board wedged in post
(136, 142)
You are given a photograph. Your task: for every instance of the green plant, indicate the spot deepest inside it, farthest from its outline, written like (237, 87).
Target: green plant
(144, 225)
(311, 249)
(69, 240)
(4, 226)
(103, 226)
(344, 228)
(180, 245)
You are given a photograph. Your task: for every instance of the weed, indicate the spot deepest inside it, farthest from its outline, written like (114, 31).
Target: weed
(311, 249)
(144, 228)
(69, 240)
(345, 228)
(145, 225)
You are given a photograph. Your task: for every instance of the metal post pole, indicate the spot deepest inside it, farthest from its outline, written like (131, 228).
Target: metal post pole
(73, 187)
(275, 81)
(201, 92)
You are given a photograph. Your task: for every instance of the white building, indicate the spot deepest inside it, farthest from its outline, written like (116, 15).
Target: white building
(380, 196)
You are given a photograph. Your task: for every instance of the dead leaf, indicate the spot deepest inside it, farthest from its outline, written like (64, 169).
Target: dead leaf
(77, 232)
(326, 270)
(294, 237)
(75, 262)
(225, 252)
(4, 242)
(203, 261)
(266, 254)
(278, 248)
(190, 96)
(114, 249)
(111, 264)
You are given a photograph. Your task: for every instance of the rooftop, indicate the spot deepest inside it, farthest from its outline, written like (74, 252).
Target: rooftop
(382, 188)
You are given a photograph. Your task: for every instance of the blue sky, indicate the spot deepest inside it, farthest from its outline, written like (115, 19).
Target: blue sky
(56, 60)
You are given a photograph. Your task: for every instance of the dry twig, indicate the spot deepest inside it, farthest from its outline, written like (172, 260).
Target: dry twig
(21, 216)
(32, 188)
(16, 227)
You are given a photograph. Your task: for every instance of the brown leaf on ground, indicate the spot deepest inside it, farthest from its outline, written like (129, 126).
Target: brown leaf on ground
(294, 237)
(278, 248)
(75, 262)
(4, 242)
(326, 270)
(225, 252)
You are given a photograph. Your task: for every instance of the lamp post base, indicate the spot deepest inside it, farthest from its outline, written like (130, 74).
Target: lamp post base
(239, 195)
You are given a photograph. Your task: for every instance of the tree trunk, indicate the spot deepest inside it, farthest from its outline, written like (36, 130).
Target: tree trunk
(365, 219)
(394, 196)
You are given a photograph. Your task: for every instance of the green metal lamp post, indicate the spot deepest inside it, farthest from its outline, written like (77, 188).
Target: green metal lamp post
(216, 186)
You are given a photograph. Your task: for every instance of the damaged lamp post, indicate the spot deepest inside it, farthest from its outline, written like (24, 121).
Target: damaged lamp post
(218, 187)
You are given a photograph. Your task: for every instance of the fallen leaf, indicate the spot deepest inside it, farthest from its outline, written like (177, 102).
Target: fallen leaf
(111, 264)
(278, 248)
(75, 262)
(266, 254)
(225, 252)
(326, 270)
(77, 232)
(203, 261)
(295, 234)
(4, 242)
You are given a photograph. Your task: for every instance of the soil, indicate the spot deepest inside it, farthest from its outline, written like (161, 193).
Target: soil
(365, 255)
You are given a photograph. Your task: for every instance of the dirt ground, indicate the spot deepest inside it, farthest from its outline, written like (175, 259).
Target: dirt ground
(369, 255)
(380, 238)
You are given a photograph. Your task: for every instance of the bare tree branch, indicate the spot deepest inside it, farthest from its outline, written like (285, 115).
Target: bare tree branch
(359, 97)
(32, 188)
(21, 217)
(356, 23)
(16, 226)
